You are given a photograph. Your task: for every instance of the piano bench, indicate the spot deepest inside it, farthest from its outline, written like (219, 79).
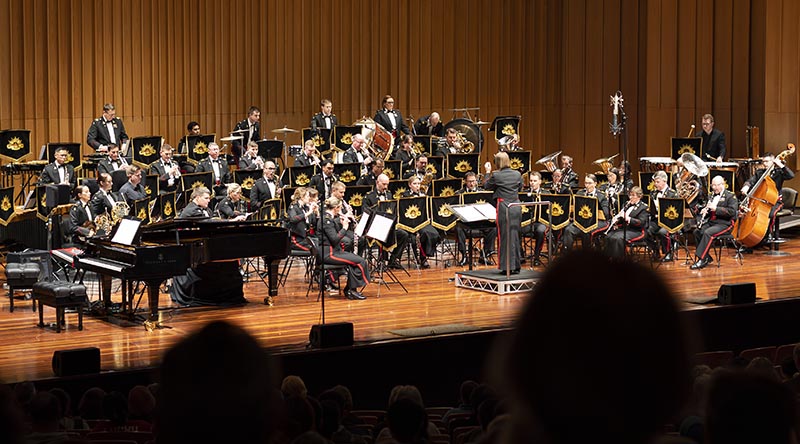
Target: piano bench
(60, 295)
(21, 277)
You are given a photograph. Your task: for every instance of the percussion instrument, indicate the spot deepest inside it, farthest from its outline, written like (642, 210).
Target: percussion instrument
(653, 164)
(285, 130)
(380, 142)
(481, 122)
(725, 166)
(230, 138)
(295, 150)
(747, 168)
(469, 130)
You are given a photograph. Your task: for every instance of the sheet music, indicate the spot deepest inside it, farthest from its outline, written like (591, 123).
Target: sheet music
(362, 224)
(487, 210)
(468, 213)
(126, 231)
(380, 227)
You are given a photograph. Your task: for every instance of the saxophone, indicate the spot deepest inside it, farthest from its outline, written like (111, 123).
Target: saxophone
(426, 182)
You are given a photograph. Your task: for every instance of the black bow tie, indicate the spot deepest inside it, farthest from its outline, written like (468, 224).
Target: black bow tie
(271, 180)
(326, 117)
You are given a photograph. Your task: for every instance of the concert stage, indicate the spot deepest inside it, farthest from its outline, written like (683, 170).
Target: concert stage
(491, 281)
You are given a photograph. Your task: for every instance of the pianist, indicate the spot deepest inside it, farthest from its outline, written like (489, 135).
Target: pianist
(209, 283)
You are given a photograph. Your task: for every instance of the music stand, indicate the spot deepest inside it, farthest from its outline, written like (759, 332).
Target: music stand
(378, 226)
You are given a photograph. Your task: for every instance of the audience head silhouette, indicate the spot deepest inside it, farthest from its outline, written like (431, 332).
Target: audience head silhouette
(599, 354)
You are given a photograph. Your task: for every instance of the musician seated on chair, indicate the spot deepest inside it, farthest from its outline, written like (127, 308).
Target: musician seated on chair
(133, 189)
(428, 236)
(323, 180)
(335, 227)
(779, 172)
(376, 169)
(337, 190)
(104, 199)
(113, 162)
(406, 154)
(489, 235)
(267, 187)
(302, 216)
(613, 187)
(450, 145)
(420, 168)
(232, 206)
(657, 237)
(571, 231)
(369, 204)
(218, 166)
(167, 170)
(557, 186)
(357, 153)
(251, 160)
(715, 219)
(535, 229)
(198, 207)
(80, 224)
(628, 225)
(60, 171)
(570, 177)
(309, 156)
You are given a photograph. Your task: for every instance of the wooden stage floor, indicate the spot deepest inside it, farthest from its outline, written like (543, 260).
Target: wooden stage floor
(432, 300)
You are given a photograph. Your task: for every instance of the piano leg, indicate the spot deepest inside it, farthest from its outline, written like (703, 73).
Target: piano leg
(272, 269)
(152, 297)
(105, 290)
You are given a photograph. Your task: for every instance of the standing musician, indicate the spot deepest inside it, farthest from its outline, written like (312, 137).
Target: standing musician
(198, 207)
(251, 160)
(628, 225)
(267, 187)
(113, 162)
(106, 129)
(218, 166)
(570, 177)
(323, 180)
(489, 234)
(713, 140)
(309, 156)
(657, 237)
(451, 143)
(104, 199)
(167, 171)
(133, 189)
(335, 229)
(558, 186)
(232, 207)
(428, 236)
(779, 173)
(406, 154)
(391, 119)
(571, 231)
(430, 125)
(506, 183)
(60, 171)
(324, 118)
(370, 203)
(81, 217)
(715, 219)
(302, 215)
(371, 177)
(535, 228)
(249, 130)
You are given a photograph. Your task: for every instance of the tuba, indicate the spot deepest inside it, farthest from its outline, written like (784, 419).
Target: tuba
(605, 163)
(549, 161)
(687, 184)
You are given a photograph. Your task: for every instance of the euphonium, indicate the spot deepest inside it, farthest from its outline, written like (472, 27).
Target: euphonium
(687, 184)
(463, 145)
(426, 182)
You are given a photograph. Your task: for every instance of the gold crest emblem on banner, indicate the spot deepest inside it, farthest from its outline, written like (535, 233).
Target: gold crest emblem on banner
(651, 186)
(556, 210)
(302, 179)
(686, 148)
(142, 213)
(447, 192)
(248, 183)
(318, 140)
(671, 213)
(15, 144)
(347, 176)
(516, 163)
(431, 168)
(148, 191)
(463, 166)
(413, 212)
(147, 150)
(168, 209)
(399, 193)
(356, 200)
(347, 139)
(6, 204)
(509, 130)
(419, 147)
(70, 157)
(43, 201)
(389, 173)
(200, 148)
(444, 211)
(197, 184)
(585, 212)
(273, 213)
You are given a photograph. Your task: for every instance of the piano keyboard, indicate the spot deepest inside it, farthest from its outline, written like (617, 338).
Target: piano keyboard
(103, 264)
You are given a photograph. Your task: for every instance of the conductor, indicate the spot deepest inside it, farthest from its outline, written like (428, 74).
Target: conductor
(506, 184)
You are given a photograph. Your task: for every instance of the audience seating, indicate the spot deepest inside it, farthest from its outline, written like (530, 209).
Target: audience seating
(766, 352)
(713, 359)
(783, 352)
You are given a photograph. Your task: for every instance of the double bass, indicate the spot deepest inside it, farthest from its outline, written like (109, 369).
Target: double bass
(753, 221)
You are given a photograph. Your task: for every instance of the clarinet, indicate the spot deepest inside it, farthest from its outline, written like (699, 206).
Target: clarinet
(618, 216)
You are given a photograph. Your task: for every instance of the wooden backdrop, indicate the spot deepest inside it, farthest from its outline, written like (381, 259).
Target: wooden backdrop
(554, 62)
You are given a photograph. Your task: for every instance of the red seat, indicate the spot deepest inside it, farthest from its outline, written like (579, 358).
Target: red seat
(713, 359)
(765, 352)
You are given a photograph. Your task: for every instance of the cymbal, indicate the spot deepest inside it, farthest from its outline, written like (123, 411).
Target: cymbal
(285, 130)
(246, 130)
(230, 138)
(363, 121)
(481, 122)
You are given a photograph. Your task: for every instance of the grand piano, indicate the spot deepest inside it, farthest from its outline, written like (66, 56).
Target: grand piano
(168, 248)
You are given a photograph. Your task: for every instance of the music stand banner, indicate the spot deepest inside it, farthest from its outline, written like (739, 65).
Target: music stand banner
(397, 188)
(393, 169)
(646, 182)
(458, 165)
(343, 136)
(166, 207)
(347, 173)
(520, 160)
(585, 213)
(270, 149)
(355, 197)
(247, 180)
(286, 198)
(559, 210)
(446, 187)
(412, 213)
(670, 213)
(682, 145)
(73, 152)
(442, 217)
(6, 205)
(270, 210)
(423, 144)
(504, 126)
(141, 210)
(477, 197)
(388, 206)
(435, 166)
(197, 147)
(322, 139)
(301, 176)
(150, 183)
(529, 214)
(15, 144)
(194, 180)
(146, 150)
(41, 202)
